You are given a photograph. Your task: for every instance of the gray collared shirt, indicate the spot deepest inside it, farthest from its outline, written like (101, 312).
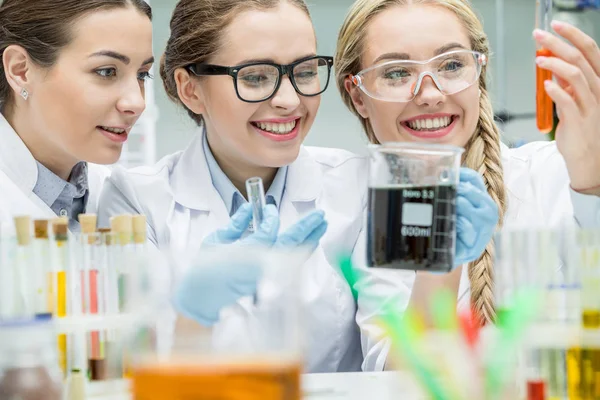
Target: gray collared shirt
(66, 199)
(232, 197)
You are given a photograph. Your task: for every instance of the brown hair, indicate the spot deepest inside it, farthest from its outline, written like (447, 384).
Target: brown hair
(42, 28)
(197, 27)
(483, 150)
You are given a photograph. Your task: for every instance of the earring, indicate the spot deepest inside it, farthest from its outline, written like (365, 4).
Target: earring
(24, 93)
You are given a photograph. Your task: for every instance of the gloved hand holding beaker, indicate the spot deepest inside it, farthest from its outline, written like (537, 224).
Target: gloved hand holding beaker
(476, 217)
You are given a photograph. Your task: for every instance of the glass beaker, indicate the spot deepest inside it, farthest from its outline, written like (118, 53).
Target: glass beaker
(29, 367)
(412, 206)
(253, 352)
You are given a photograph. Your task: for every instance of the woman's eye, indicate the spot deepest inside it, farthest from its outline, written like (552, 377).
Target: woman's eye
(144, 76)
(452, 66)
(106, 72)
(396, 74)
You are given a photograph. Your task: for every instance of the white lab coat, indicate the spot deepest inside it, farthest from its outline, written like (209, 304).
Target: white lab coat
(183, 207)
(538, 195)
(18, 176)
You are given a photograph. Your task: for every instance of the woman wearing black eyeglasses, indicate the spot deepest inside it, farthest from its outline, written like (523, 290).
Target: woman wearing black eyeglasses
(248, 74)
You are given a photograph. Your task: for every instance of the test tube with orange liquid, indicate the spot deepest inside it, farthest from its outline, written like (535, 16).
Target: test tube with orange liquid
(544, 105)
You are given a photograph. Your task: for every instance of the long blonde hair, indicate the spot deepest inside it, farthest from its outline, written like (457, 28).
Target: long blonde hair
(482, 153)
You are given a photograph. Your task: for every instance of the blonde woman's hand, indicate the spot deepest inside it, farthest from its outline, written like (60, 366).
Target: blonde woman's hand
(576, 93)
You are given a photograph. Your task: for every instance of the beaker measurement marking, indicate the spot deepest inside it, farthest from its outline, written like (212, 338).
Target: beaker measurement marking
(415, 231)
(446, 234)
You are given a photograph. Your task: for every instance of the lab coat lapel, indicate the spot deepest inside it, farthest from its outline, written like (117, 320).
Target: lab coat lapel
(193, 188)
(303, 186)
(20, 168)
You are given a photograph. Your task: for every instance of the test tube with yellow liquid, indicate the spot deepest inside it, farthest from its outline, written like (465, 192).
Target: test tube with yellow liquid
(583, 360)
(59, 289)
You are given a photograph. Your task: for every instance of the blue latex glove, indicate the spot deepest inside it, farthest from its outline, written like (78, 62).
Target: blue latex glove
(304, 234)
(208, 288)
(266, 235)
(476, 217)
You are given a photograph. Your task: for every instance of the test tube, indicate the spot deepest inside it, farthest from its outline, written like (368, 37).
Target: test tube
(122, 226)
(58, 287)
(544, 105)
(41, 245)
(256, 197)
(8, 305)
(139, 232)
(24, 266)
(92, 282)
(109, 304)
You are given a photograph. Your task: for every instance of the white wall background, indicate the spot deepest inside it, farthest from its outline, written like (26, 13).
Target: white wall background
(336, 127)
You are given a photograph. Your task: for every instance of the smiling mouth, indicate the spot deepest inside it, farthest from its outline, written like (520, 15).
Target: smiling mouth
(277, 128)
(430, 124)
(117, 131)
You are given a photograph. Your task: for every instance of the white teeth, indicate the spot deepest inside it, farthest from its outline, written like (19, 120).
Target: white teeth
(113, 130)
(430, 123)
(277, 128)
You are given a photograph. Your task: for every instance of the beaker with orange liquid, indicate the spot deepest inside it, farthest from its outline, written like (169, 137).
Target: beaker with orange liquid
(253, 352)
(543, 102)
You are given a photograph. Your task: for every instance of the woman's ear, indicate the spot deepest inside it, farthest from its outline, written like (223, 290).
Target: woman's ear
(357, 97)
(18, 70)
(189, 91)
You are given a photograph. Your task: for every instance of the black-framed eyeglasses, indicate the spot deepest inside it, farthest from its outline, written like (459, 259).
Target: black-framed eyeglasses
(257, 82)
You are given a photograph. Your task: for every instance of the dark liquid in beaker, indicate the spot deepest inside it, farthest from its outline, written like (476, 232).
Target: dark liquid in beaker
(412, 228)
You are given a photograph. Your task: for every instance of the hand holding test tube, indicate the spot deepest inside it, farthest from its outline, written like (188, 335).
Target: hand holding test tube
(544, 105)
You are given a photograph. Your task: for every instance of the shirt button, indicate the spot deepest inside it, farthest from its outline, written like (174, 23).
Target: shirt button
(63, 212)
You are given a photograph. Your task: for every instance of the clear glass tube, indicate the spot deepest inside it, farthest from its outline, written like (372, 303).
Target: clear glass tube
(256, 197)
(42, 268)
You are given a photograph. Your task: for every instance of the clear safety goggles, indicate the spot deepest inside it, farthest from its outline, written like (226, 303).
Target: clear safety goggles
(401, 80)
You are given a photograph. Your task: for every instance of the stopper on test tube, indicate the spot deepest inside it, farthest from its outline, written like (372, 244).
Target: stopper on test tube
(256, 197)
(122, 226)
(60, 228)
(40, 228)
(23, 228)
(139, 229)
(88, 223)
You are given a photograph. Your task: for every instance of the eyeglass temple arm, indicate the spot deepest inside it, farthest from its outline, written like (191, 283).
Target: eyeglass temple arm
(208, 69)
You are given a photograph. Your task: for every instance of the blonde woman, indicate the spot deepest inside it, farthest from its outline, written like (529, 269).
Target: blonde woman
(415, 71)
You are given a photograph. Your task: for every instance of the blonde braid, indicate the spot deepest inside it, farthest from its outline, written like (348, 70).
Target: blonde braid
(483, 155)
